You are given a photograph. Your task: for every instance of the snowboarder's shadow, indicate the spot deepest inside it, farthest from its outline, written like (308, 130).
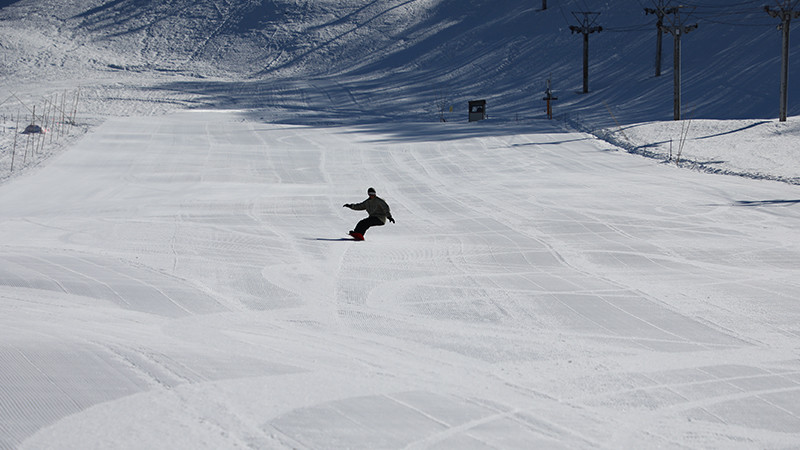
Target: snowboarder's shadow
(331, 239)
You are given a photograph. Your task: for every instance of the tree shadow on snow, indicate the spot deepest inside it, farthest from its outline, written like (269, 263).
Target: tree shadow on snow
(324, 103)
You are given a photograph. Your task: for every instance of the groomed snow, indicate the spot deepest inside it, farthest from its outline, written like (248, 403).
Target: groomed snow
(178, 281)
(174, 269)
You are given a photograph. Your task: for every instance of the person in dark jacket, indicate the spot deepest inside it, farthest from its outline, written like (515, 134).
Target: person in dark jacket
(378, 212)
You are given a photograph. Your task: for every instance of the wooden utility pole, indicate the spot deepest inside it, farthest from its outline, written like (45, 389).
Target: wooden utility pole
(677, 29)
(785, 13)
(549, 98)
(660, 11)
(587, 26)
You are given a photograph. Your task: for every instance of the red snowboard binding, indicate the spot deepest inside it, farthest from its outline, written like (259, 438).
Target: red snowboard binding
(356, 236)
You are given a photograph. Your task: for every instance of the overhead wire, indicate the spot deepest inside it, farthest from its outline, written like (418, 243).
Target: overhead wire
(744, 13)
(741, 13)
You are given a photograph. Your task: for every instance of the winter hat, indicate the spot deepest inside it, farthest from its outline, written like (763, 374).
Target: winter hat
(371, 191)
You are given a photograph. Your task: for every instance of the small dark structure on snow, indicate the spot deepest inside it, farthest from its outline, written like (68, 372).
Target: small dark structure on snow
(33, 129)
(477, 110)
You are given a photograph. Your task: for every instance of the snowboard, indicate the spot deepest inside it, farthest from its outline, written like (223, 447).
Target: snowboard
(356, 236)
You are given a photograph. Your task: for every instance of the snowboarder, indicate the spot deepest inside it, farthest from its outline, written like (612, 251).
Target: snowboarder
(378, 212)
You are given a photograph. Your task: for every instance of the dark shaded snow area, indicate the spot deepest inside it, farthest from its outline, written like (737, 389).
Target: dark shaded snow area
(396, 58)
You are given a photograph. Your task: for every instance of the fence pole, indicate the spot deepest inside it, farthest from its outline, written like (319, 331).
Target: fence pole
(63, 114)
(75, 107)
(14, 148)
(41, 138)
(52, 120)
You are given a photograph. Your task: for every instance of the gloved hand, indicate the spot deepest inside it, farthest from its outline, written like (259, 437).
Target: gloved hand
(391, 219)
(346, 205)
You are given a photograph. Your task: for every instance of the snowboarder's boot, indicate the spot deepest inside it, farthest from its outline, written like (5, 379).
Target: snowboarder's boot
(356, 236)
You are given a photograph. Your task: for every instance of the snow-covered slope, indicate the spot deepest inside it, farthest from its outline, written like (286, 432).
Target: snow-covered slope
(181, 282)
(395, 58)
(173, 274)
(355, 61)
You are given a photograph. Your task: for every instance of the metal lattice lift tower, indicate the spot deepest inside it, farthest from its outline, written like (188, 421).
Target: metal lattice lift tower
(786, 14)
(677, 29)
(587, 26)
(660, 11)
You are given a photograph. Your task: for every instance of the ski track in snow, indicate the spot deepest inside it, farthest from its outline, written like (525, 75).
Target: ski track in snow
(170, 279)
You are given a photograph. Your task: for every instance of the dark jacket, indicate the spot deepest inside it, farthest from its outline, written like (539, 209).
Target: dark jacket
(375, 207)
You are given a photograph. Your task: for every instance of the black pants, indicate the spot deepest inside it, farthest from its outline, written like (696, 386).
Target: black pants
(364, 225)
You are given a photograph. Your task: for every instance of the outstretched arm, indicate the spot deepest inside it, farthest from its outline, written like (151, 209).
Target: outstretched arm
(356, 206)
